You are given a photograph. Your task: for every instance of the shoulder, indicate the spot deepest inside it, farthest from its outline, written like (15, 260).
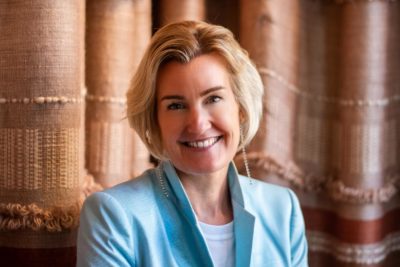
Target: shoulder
(278, 214)
(263, 197)
(135, 193)
(253, 188)
(106, 234)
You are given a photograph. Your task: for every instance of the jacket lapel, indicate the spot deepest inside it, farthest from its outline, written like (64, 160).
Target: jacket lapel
(243, 221)
(181, 200)
(179, 195)
(244, 230)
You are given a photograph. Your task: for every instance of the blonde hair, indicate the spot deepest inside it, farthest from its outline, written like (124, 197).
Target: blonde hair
(181, 42)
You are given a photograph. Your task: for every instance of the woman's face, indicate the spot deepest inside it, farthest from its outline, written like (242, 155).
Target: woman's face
(198, 115)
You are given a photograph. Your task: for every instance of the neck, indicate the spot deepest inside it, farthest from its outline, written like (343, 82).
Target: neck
(209, 196)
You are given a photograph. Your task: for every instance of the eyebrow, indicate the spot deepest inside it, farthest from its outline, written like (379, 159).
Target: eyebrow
(205, 92)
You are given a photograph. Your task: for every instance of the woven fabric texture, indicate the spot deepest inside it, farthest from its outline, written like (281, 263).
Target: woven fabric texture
(177, 10)
(331, 125)
(41, 134)
(116, 35)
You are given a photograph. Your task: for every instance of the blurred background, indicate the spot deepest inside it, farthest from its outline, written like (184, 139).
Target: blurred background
(330, 131)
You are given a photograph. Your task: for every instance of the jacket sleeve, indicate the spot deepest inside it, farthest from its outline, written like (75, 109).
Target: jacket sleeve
(297, 235)
(104, 236)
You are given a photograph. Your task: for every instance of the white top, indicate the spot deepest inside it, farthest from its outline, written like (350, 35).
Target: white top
(220, 241)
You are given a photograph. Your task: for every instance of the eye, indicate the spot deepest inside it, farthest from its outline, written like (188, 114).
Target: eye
(213, 99)
(174, 106)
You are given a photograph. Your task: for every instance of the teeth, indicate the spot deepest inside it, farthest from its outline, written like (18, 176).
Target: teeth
(205, 143)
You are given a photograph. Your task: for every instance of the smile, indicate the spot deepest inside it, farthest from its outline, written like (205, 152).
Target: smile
(203, 143)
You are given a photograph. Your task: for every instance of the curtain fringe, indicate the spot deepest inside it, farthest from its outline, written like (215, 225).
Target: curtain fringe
(14, 216)
(336, 189)
(90, 186)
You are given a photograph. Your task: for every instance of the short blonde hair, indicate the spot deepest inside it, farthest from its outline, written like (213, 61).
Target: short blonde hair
(181, 42)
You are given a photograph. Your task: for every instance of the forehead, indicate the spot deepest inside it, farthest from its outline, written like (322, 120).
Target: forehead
(201, 73)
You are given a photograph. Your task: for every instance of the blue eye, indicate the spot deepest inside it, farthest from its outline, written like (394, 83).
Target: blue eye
(213, 99)
(174, 106)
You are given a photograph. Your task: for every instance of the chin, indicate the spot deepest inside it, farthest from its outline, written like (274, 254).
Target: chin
(202, 169)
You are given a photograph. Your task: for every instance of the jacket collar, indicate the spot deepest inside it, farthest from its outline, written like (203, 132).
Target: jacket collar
(243, 219)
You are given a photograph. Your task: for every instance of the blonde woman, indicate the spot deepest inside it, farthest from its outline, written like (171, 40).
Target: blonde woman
(195, 101)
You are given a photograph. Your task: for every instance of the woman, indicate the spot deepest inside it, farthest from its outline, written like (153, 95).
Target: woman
(195, 101)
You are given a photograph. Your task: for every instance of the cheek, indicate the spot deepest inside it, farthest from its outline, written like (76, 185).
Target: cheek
(169, 127)
(229, 120)
(163, 126)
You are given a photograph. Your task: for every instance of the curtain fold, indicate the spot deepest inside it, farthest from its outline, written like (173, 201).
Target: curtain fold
(142, 36)
(331, 126)
(41, 134)
(177, 10)
(225, 13)
(114, 43)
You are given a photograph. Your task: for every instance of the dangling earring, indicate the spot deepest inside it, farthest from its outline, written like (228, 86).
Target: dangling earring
(244, 154)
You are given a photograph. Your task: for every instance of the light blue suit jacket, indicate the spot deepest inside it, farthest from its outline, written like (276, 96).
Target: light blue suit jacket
(148, 222)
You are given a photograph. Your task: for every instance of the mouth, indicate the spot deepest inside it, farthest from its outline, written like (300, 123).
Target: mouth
(206, 143)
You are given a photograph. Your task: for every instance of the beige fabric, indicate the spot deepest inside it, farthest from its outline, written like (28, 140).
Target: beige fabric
(111, 57)
(177, 10)
(332, 116)
(41, 105)
(142, 29)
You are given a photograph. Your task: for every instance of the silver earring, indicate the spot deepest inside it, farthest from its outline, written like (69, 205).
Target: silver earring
(244, 154)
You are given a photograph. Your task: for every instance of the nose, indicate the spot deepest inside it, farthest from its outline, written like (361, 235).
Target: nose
(198, 121)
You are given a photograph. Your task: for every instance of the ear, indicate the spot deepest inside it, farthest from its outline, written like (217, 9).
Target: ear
(242, 116)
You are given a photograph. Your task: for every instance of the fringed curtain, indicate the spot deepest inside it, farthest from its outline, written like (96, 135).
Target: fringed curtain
(331, 126)
(117, 32)
(41, 133)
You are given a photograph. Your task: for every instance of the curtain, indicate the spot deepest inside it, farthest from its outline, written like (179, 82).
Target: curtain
(331, 127)
(117, 32)
(177, 10)
(41, 130)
